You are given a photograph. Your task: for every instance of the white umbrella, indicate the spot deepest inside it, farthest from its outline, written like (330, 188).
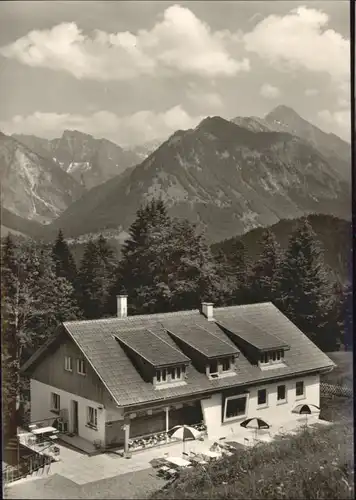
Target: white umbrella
(184, 432)
(306, 409)
(255, 423)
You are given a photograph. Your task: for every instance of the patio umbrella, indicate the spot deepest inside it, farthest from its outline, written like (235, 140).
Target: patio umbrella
(255, 423)
(306, 409)
(184, 432)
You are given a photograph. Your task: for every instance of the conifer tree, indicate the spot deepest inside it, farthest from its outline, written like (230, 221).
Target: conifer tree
(9, 364)
(90, 281)
(166, 265)
(63, 258)
(304, 289)
(263, 278)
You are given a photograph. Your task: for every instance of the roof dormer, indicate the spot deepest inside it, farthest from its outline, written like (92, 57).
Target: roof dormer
(208, 352)
(157, 361)
(262, 348)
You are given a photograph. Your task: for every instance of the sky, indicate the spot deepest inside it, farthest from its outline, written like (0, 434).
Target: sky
(134, 72)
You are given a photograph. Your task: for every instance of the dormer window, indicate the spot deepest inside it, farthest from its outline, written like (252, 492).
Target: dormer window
(226, 364)
(271, 358)
(170, 375)
(220, 367)
(213, 367)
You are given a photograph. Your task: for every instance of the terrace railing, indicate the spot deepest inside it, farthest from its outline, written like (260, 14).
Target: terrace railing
(26, 467)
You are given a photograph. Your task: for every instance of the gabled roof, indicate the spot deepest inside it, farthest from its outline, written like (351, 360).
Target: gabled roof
(203, 340)
(259, 337)
(96, 340)
(151, 347)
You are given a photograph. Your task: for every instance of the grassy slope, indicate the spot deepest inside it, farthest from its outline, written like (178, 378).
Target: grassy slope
(312, 465)
(316, 464)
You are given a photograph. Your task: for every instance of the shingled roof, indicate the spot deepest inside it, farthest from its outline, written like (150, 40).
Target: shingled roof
(151, 347)
(97, 341)
(203, 340)
(260, 338)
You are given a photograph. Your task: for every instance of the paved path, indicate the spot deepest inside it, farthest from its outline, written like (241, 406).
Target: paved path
(132, 485)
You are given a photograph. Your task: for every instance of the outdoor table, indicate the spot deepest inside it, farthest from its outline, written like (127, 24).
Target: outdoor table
(212, 454)
(181, 462)
(199, 461)
(44, 430)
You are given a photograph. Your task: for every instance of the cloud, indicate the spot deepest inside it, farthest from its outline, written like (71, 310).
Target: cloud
(301, 40)
(178, 43)
(338, 122)
(269, 91)
(140, 127)
(311, 92)
(206, 101)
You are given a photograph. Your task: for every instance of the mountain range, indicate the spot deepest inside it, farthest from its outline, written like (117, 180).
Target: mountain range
(222, 176)
(32, 186)
(227, 176)
(88, 160)
(285, 119)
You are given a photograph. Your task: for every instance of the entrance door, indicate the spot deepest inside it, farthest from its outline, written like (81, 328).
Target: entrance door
(75, 423)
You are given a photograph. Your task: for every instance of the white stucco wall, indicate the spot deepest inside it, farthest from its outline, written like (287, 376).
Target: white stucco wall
(113, 414)
(275, 413)
(41, 409)
(211, 409)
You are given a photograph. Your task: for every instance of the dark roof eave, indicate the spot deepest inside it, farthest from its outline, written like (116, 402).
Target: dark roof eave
(175, 363)
(36, 356)
(212, 390)
(285, 347)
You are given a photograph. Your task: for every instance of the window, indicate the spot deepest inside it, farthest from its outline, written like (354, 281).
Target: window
(92, 417)
(225, 365)
(68, 363)
(264, 357)
(235, 406)
(262, 397)
(299, 388)
(213, 367)
(170, 374)
(55, 402)
(272, 357)
(81, 366)
(281, 393)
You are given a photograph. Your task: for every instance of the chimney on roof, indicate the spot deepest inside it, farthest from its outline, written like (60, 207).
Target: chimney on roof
(207, 308)
(121, 306)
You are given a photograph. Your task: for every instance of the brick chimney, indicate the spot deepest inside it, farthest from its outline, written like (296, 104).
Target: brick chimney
(121, 306)
(207, 308)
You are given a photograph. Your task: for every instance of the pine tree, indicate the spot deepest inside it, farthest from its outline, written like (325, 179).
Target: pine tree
(107, 270)
(53, 301)
(304, 290)
(340, 322)
(166, 265)
(63, 258)
(263, 278)
(347, 314)
(34, 303)
(9, 349)
(90, 282)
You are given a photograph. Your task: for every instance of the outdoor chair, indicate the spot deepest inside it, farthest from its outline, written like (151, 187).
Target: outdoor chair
(162, 471)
